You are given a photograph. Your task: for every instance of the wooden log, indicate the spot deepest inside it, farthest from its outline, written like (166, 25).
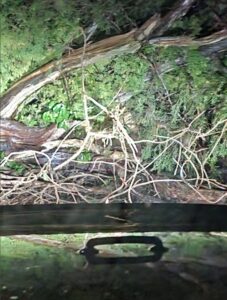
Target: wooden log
(107, 48)
(179, 10)
(217, 39)
(118, 217)
(78, 58)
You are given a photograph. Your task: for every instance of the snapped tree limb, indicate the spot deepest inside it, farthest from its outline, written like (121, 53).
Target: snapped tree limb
(107, 48)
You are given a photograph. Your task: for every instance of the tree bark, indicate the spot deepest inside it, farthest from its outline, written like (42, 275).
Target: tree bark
(117, 45)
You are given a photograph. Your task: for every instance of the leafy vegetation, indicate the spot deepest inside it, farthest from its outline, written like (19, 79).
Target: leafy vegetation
(199, 21)
(35, 32)
(171, 88)
(32, 34)
(187, 87)
(62, 100)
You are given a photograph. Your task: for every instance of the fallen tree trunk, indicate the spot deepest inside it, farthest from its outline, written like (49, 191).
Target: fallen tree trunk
(30, 189)
(76, 59)
(184, 41)
(117, 45)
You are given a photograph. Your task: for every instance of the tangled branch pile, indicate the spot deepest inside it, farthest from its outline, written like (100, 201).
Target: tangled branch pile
(115, 149)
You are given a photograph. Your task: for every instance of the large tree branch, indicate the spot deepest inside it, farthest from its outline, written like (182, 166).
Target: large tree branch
(183, 41)
(107, 48)
(179, 10)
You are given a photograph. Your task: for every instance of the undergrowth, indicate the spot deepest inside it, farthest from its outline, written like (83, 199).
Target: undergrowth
(62, 101)
(168, 87)
(185, 85)
(35, 32)
(175, 98)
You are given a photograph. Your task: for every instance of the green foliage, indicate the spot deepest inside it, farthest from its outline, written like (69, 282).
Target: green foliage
(158, 106)
(192, 24)
(17, 167)
(175, 98)
(32, 34)
(85, 156)
(35, 32)
(62, 100)
(201, 19)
